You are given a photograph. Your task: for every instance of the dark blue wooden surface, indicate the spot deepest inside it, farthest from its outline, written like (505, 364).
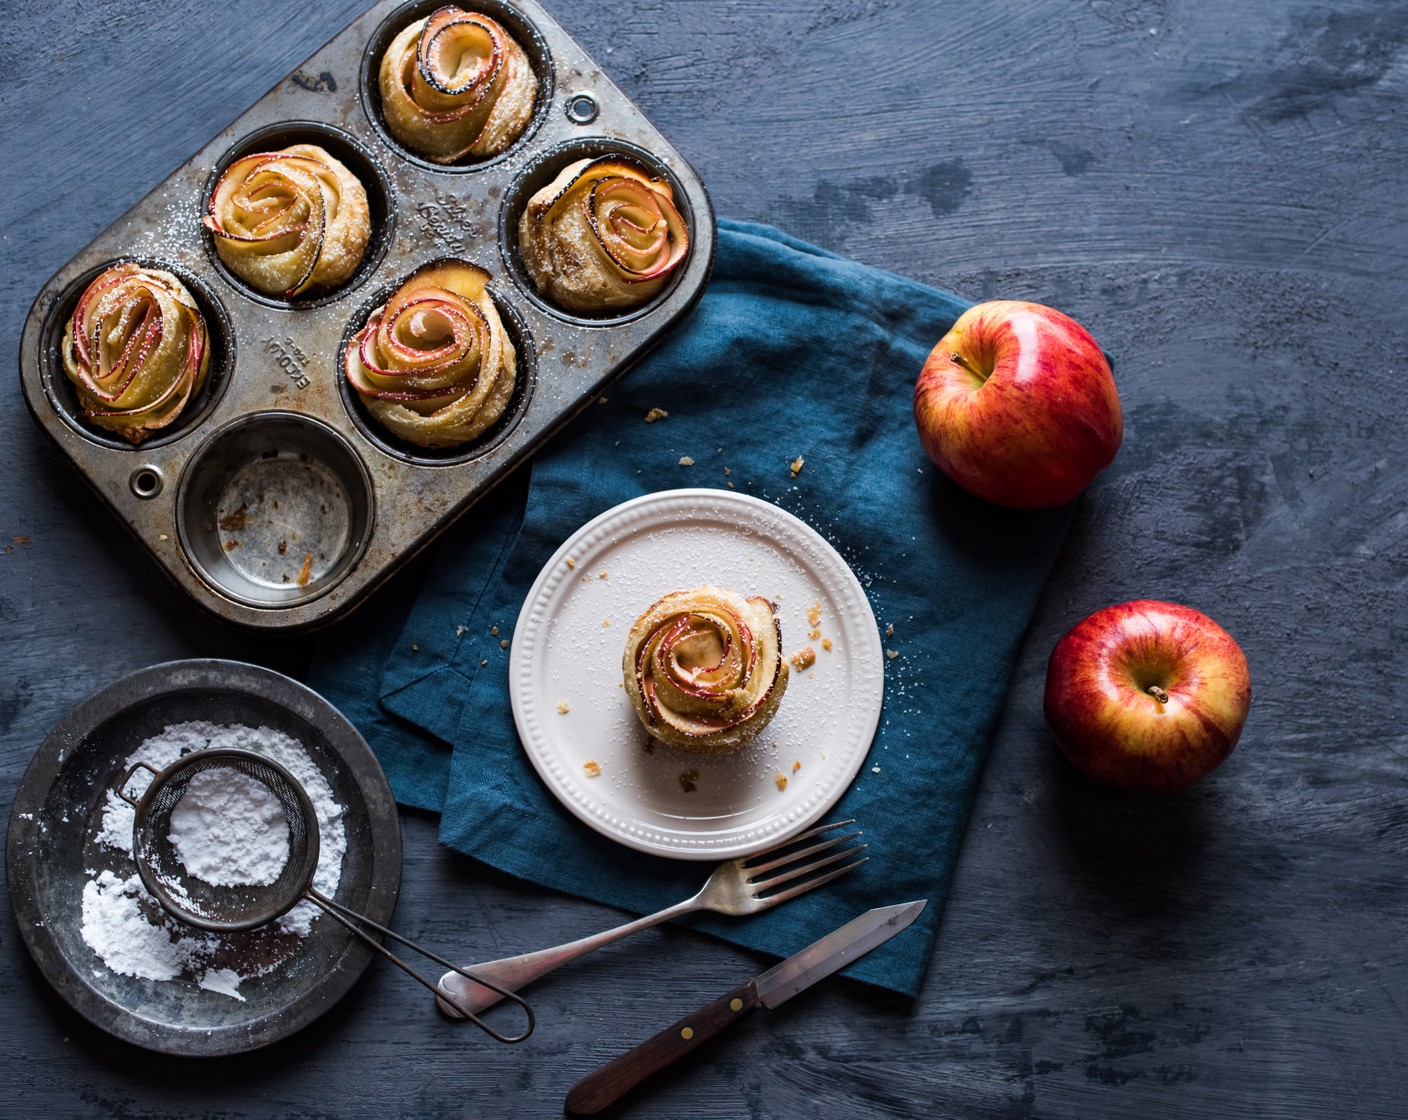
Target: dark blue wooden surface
(1217, 192)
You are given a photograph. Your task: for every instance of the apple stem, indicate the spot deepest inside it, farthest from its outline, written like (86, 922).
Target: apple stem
(959, 359)
(1158, 694)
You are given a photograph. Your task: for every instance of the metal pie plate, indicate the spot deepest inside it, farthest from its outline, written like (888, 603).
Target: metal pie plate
(53, 850)
(344, 503)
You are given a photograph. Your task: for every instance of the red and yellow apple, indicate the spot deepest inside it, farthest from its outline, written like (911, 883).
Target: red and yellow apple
(1147, 695)
(1017, 405)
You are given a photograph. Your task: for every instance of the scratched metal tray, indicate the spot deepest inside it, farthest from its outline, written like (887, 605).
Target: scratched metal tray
(276, 425)
(54, 848)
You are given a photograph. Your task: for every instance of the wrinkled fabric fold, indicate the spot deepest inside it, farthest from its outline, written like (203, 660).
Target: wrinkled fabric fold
(793, 352)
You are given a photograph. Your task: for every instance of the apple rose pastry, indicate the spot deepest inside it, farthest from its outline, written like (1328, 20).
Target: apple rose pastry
(704, 668)
(603, 235)
(456, 84)
(291, 221)
(434, 365)
(136, 349)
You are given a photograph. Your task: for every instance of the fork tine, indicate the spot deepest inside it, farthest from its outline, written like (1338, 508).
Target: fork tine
(805, 869)
(802, 888)
(792, 854)
(817, 830)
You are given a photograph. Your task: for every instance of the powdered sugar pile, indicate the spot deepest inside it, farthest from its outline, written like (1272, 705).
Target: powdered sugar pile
(125, 926)
(228, 830)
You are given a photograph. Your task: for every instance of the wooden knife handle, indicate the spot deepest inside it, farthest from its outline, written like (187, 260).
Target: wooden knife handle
(603, 1087)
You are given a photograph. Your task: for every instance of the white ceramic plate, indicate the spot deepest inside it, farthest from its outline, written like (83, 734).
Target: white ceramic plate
(571, 708)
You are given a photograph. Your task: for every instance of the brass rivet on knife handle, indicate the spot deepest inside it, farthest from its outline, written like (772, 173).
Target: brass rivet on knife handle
(605, 1086)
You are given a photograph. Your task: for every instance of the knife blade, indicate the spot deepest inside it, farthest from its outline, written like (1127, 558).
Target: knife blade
(603, 1087)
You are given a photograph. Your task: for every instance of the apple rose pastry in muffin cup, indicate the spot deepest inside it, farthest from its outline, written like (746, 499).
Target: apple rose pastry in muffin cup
(456, 84)
(136, 350)
(604, 235)
(704, 668)
(434, 365)
(291, 221)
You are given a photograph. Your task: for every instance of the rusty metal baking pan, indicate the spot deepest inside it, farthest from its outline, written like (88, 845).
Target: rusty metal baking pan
(54, 847)
(275, 427)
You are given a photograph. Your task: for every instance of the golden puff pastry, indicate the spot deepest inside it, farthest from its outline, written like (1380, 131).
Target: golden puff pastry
(704, 668)
(136, 349)
(604, 235)
(291, 221)
(456, 85)
(434, 365)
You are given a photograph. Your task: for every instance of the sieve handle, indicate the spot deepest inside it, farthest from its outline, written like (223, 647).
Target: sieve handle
(122, 785)
(358, 924)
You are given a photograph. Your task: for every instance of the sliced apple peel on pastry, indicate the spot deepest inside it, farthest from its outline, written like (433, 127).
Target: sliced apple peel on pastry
(704, 669)
(136, 349)
(290, 222)
(435, 365)
(456, 85)
(603, 235)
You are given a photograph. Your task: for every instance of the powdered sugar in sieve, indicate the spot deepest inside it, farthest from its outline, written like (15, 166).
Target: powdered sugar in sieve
(127, 928)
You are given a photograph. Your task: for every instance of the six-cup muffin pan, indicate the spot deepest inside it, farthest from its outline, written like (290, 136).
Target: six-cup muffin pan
(277, 448)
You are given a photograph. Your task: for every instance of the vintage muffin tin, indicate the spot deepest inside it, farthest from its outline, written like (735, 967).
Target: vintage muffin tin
(276, 502)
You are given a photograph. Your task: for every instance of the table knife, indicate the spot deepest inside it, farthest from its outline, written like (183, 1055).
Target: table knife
(603, 1087)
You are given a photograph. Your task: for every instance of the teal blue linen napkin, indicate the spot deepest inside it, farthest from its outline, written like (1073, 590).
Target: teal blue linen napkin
(792, 351)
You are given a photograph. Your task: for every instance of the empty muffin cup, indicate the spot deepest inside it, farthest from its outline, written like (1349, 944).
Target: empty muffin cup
(274, 510)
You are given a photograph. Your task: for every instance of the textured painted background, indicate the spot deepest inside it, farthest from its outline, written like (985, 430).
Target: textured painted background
(1218, 192)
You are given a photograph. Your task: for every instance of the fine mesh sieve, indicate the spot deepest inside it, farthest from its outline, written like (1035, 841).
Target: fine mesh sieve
(229, 909)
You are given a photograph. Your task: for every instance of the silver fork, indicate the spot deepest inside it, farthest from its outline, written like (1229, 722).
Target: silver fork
(740, 886)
